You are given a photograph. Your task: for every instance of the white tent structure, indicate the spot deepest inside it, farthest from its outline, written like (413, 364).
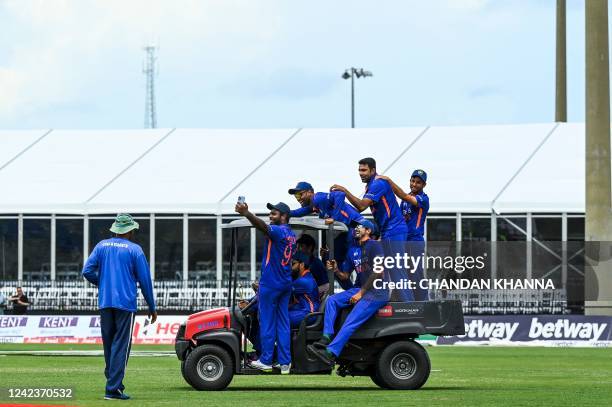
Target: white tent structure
(475, 169)
(175, 178)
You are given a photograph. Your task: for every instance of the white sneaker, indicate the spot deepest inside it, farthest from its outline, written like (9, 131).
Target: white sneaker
(257, 364)
(285, 369)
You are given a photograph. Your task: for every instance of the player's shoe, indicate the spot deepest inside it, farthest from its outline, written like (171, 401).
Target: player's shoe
(117, 395)
(323, 342)
(257, 364)
(323, 355)
(284, 369)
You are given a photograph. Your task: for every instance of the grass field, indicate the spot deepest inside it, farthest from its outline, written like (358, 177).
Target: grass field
(461, 376)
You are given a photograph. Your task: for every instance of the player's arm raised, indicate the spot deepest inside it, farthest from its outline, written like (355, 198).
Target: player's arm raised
(359, 204)
(398, 191)
(243, 209)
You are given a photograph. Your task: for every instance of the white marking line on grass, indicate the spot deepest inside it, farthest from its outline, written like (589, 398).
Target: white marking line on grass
(81, 353)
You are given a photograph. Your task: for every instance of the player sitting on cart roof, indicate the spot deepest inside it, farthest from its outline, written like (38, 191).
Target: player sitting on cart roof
(366, 299)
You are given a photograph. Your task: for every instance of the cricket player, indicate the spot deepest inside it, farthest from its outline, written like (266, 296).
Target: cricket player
(364, 296)
(330, 206)
(306, 244)
(380, 199)
(115, 266)
(305, 297)
(414, 207)
(304, 289)
(274, 286)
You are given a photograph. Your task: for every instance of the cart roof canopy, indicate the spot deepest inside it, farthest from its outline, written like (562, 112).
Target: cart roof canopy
(297, 223)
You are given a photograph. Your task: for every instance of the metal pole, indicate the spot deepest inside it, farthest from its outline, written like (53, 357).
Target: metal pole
(53, 245)
(20, 247)
(85, 238)
(152, 245)
(330, 246)
(561, 66)
(185, 247)
(352, 98)
(253, 254)
(598, 222)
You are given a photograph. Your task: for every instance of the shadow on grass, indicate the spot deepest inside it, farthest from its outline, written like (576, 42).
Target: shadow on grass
(324, 389)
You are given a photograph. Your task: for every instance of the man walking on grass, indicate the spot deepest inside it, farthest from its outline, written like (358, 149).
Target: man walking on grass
(115, 266)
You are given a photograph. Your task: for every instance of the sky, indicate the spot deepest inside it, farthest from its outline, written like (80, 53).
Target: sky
(278, 63)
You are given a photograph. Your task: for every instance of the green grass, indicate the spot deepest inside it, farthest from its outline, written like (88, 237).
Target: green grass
(462, 376)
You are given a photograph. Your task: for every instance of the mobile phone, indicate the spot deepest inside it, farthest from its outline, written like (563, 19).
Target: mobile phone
(241, 199)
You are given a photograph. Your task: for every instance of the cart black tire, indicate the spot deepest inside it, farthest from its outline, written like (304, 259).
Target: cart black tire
(377, 381)
(209, 367)
(183, 373)
(402, 365)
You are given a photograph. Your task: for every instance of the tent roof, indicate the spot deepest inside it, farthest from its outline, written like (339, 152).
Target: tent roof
(471, 169)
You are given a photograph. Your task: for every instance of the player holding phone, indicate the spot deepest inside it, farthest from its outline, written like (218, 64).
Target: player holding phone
(274, 285)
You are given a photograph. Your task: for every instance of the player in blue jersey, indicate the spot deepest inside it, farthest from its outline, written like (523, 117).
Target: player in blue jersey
(330, 206)
(307, 244)
(274, 285)
(304, 289)
(364, 296)
(379, 197)
(116, 266)
(414, 207)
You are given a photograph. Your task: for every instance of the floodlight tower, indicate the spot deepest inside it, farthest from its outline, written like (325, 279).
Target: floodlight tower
(351, 74)
(150, 120)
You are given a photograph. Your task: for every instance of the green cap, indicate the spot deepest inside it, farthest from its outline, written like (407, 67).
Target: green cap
(123, 224)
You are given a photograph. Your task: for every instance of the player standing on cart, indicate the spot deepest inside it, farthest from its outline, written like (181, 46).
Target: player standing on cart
(380, 199)
(274, 285)
(414, 207)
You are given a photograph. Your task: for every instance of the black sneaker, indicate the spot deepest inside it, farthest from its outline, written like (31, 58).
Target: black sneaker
(117, 395)
(322, 355)
(322, 343)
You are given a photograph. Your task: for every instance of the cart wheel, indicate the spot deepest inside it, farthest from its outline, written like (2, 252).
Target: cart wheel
(402, 366)
(377, 381)
(183, 373)
(209, 367)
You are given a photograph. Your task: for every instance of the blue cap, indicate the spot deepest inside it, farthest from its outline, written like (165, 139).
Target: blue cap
(301, 186)
(281, 207)
(421, 174)
(301, 257)
(368, 224)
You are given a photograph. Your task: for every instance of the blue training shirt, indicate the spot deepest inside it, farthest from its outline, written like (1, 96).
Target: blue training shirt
(318, 271)
(276, 260)
(385, 209)
(415, 216)
(360, 260)
(115, 266)
(330, 205)
(306, 293)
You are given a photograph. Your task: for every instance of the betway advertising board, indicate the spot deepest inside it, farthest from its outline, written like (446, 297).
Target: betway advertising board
(82, 329)
(534, 330)
(529, 330)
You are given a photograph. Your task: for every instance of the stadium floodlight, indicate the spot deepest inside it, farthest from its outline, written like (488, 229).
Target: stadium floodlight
(351, 74)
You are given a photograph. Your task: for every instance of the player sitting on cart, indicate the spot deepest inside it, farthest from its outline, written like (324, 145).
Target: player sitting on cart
(365, 298)
(304, 289)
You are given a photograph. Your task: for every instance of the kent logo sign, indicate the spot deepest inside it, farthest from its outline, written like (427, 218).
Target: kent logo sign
(57, 322)
(12, 322)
